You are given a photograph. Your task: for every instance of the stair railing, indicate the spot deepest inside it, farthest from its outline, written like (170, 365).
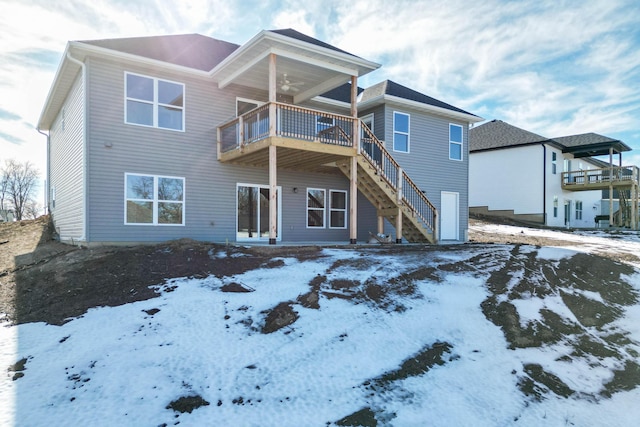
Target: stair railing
(377, 155)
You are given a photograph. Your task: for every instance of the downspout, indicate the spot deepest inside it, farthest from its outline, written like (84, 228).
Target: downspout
(544, 184)
(85, 192)
(47, 184)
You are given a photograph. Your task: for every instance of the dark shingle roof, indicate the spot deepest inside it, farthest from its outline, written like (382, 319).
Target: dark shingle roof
(388, 87)
(584, 139)
(290, 32)
(499, 134)
(188, 50)
(341, 93)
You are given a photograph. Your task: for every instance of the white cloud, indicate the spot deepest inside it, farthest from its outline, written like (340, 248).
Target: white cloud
(546, 66)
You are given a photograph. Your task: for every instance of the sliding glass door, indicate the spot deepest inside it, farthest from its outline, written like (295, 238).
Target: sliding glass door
(253, 212)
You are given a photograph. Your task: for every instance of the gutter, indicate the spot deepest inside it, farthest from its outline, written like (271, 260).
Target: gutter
(85, 194)
(47, 184)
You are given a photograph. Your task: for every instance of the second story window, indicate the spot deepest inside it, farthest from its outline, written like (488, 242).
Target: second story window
(400, 132)
(554, 163)
(154, 102)
(455, 142)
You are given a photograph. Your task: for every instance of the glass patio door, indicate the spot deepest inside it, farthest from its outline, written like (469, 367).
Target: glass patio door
(253, 212)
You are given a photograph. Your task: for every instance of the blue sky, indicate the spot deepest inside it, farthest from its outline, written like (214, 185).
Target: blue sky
(552, 67)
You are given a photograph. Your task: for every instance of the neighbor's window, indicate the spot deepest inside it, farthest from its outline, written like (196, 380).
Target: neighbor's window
(554, 163)
(400, 132)
(455, 142)
(154, 102)
(337, 209)
(315, 208)
(155, 200)
(555, 206)
(578, 209)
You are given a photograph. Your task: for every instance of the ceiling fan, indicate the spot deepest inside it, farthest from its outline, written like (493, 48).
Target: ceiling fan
(286, 85)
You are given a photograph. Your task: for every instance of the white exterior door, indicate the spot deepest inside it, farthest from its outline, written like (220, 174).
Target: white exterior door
(449, 215)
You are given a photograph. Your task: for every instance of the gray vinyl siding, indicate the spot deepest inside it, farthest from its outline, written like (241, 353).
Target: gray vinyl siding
(428, 163)
(66, 165)
(116, 148)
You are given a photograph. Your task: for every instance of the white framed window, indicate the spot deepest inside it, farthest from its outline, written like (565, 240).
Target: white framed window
(455, 142)
(401, 132)
(244, 105)
(578, 209)
(337, 209)
(323, 122)
(316, 207)
(153, 102)
(153, 200)
(554, 162)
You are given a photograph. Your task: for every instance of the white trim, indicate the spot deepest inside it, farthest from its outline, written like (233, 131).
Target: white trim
(248, 101)
(156, 102)
(345, 210)
(461, 143)
(155, 201)
(421, 106)
(408, 133)
(444, 214)
(279, 225)
(365, 118)
(324, 208)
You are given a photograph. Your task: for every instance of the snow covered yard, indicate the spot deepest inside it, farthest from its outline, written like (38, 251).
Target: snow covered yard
(477, 335)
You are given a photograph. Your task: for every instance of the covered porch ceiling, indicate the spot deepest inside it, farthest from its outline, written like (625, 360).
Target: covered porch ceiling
(311, 69)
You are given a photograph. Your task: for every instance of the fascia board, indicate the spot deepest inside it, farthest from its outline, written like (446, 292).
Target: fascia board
(381, 99)
(84, 48)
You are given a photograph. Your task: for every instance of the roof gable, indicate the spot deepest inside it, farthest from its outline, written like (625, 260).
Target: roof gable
(188, 50)
(392, 89)
(290, 32)
(498, 134)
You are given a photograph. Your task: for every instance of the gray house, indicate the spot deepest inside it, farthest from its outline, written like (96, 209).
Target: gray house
(159, 138)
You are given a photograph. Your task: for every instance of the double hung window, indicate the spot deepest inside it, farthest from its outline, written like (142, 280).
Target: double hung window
(154, 200)
(315, 208)
(455, 142)
(154, 102)
(400, 132)
(337, 209)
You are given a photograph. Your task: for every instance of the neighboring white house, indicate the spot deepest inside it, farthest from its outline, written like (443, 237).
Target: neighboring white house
(519, 174)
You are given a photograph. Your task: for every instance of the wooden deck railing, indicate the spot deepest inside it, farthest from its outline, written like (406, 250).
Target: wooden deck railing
(615, 174)
(378, 156)
(302, 123)
(290, 121)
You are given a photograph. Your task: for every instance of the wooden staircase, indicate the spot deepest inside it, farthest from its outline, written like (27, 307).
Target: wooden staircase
(383, 182)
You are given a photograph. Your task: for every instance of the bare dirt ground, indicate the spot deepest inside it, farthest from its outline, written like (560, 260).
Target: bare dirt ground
(44, 280)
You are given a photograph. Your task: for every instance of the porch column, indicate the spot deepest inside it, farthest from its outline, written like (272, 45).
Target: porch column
(273, 197)
(272, 94)
(353, 188)
(380, 222)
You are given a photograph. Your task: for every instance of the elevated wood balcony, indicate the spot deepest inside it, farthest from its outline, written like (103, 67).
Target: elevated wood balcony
(601, 179)
(316, 141)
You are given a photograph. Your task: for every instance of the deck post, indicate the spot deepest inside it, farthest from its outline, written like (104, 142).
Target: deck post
(353, 202)
(273, 197)
(353, 188)
(399, 203)
(272, 94)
